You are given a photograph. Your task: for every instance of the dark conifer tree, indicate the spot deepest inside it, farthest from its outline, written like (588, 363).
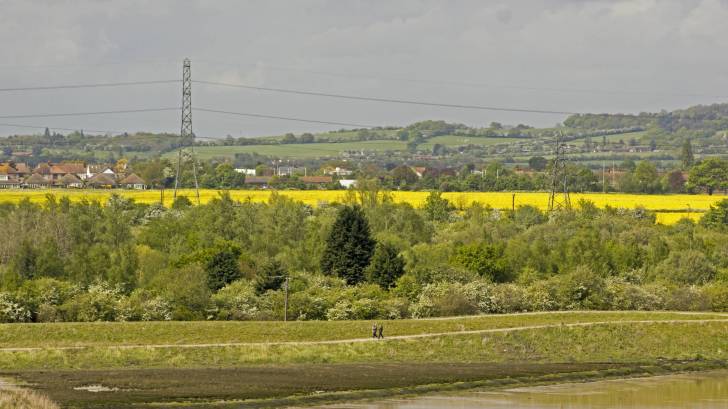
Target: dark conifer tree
(271, 276)
(386, 266)
(349, 246)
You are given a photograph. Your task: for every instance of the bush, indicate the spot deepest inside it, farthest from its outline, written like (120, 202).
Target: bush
(12, 310)
(687, 299)
(581, 289)
(623, 295)
(237, 301)
(186, 290)
(444, 299)
(99, 303)
(543, 296)
(686, 267)
(43, 297)
(507, 298)
(718, 295)
(144, 305)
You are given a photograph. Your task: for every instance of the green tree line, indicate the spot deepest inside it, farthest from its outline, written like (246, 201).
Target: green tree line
(361, 259)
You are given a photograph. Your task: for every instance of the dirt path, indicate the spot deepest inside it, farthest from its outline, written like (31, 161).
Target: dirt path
(360, 340)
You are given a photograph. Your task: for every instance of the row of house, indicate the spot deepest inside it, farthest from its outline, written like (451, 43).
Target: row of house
(68, 175)
(265, 181)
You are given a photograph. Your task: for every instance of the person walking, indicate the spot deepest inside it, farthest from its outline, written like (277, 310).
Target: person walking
(381, 330)
(374, 330)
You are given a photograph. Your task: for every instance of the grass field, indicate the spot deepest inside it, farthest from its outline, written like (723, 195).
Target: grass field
(670, 208)
(100, 334)
(280, 364)
(458, 140)
(307, 150)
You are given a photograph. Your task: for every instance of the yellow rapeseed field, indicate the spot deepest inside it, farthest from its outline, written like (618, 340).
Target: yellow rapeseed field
(670, 208)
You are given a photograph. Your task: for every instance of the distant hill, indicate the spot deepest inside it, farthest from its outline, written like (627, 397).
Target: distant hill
(594, 136)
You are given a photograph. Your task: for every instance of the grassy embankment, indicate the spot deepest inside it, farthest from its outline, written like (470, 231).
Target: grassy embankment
(301, 362)
(669, 208)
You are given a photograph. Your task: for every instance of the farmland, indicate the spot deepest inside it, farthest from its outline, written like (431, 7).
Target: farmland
(295, 150)
(257, 363)
(669, 208)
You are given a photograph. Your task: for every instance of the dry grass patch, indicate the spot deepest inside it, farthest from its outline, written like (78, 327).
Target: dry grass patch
(16, 398)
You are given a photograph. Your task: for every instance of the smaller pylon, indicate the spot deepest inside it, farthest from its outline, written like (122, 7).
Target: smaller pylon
(559, 196)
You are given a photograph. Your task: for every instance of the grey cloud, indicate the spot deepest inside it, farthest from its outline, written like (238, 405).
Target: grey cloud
(640, 55)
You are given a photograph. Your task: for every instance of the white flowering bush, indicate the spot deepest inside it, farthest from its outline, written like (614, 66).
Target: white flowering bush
(100, 302)
(11, 310)
(237, 301)
(143, 305)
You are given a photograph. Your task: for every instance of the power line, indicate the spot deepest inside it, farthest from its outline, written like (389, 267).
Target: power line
(92, 85)
(83, 128)
(388, 100)
(284, 118)
(60, 128)
(82, 65)
(126, 111)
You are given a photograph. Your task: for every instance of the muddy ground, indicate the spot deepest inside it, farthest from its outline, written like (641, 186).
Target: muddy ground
(269, 385)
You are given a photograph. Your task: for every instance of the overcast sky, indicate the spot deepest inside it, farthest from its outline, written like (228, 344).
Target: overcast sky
(582, 56)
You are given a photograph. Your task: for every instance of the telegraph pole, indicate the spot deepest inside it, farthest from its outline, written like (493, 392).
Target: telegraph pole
(186, 129)
(559, 195)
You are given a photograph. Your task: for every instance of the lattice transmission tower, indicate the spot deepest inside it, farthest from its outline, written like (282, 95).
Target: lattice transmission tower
(559, 196)
(186, 129)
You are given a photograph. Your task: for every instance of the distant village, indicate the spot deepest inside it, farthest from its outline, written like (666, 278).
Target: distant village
(68, 175)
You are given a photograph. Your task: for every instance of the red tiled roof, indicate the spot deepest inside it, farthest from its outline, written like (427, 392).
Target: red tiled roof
(64, 168)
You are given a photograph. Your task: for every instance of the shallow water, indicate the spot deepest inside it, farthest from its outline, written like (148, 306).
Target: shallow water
(708, 390)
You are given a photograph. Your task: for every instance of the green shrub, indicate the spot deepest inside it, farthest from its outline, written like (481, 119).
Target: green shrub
(687, 299)
(144, 305)
(99, 303)
(686, 267)
(508, 298)
(445, 299)
(12, 309)
(543, 296)
(623, 295)
(581, 289)
(717, 293)
(237, 301)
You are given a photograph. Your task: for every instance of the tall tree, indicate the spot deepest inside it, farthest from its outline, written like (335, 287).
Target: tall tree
(271, 276)
(686, 155)
(223, 267)
(710, 174)
(386, 266)
(437, 208)
(349, 246)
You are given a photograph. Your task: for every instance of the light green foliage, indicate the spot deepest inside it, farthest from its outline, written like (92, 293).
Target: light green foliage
(710, 174)
(436, 207)
(686, 267)
(186, 290)
(484, 259)
(126, 261)
(238, 301)
(717, 216)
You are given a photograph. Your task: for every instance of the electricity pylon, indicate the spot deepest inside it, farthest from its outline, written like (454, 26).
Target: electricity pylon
(559, 196)
(186, 129)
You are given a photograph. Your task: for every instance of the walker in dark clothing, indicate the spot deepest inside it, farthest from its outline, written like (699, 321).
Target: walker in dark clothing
(381, 329)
